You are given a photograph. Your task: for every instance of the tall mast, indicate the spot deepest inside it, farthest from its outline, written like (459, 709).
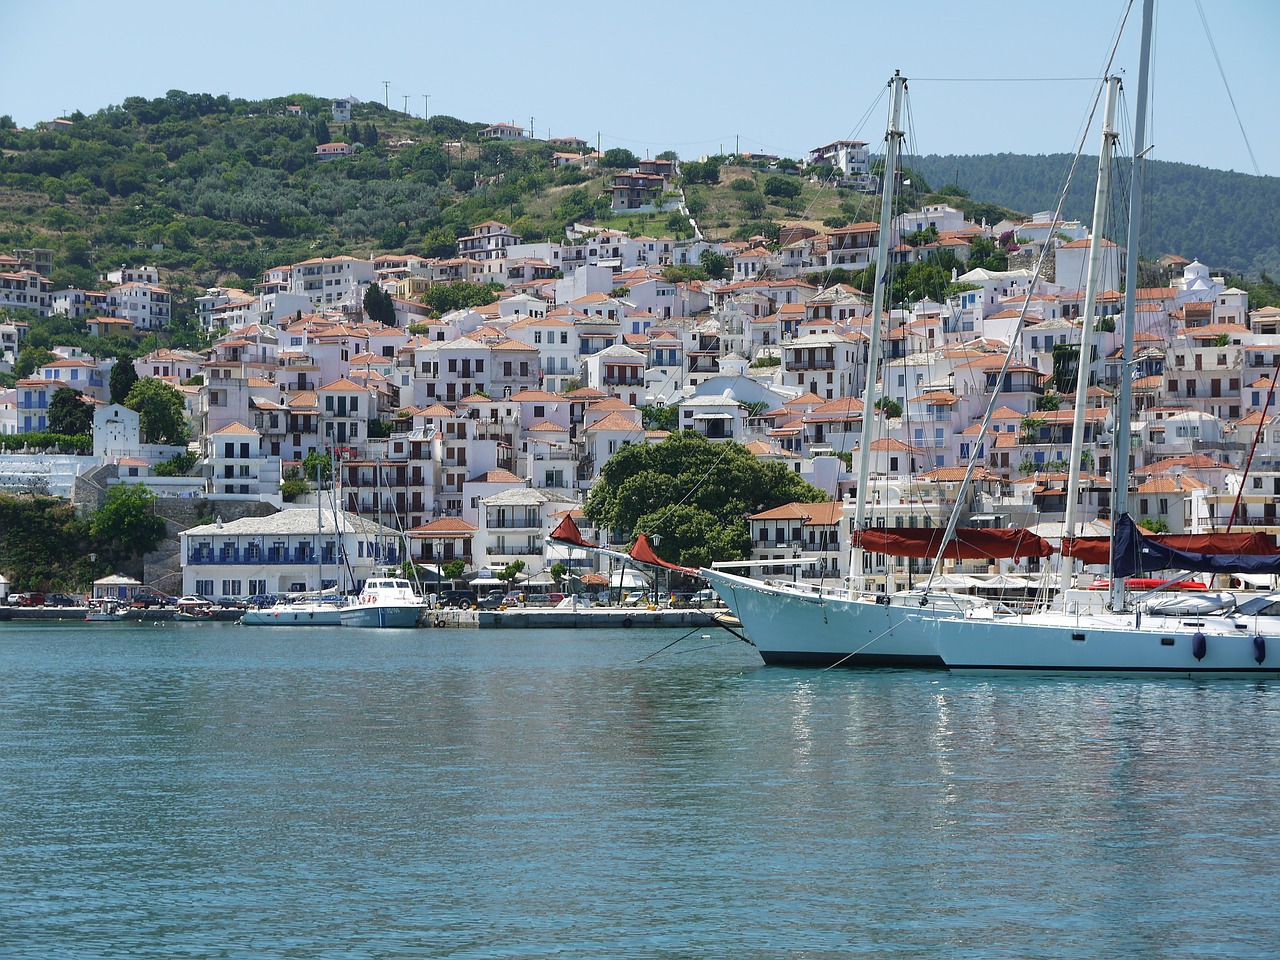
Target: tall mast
(1096, 240)
(319, 534)
(1120, 467)
(893, 144)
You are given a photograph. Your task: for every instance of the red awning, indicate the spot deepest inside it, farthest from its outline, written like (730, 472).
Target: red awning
(567, 533)
(970, 543)
(642, 552)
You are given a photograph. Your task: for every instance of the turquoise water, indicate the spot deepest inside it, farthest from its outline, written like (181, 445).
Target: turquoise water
(207, 790)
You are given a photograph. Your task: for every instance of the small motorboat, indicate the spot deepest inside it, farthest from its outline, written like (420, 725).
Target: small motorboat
(193, 609)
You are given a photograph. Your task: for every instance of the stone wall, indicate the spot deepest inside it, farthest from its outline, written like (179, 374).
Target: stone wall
(162, 567)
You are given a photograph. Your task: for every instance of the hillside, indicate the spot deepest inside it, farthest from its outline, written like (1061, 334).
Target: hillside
(214, 191)
(1198, 213)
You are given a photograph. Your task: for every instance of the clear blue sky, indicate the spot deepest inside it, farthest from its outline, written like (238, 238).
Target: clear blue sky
(689, 76)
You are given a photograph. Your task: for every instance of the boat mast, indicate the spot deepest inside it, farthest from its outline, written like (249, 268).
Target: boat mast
(893, 143)
(319, 534)
(1101, 200)
(1120, 468)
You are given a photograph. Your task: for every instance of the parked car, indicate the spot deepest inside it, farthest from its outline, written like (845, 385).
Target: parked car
(35, 599)
(491, 600)
(513, 599)
(231, 603)
(262, 600)
(61, 600)
(705, 598)
(636, 598)
(461, 599)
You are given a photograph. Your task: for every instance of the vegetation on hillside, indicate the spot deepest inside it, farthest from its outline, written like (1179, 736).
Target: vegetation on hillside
(691, 496)
(1198, 213)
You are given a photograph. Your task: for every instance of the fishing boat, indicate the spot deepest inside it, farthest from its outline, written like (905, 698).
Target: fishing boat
(1129, 636)
(192, 609)
(385, 602)
(106, 609)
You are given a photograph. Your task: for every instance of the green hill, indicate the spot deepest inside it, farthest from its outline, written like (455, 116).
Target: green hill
(216, 190)
(1198, 213)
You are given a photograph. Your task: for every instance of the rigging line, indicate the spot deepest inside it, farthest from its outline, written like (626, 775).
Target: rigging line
(1007, 79)
(669, 645)
(1231, 97)
(1016, 334)
(862, 122)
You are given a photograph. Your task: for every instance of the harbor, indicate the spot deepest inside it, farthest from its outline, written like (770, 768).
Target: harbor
(495, 792)
(513, 618)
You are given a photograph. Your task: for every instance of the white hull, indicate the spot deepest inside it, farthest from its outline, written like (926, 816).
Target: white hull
(797, 627)
(295, 615)
(383, 615)
(385, 602)
(1109, 643)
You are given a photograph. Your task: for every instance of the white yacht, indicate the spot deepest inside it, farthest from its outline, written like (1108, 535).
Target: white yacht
(385, 602)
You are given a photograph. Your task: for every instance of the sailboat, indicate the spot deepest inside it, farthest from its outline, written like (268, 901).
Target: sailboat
(794, 624)
(317, 612)
(1128, 637)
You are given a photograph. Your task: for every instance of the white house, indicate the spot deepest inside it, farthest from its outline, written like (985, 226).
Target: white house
(294, 551)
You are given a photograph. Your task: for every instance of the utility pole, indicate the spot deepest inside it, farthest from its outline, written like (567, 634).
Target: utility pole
(386, 86)
(426, 108)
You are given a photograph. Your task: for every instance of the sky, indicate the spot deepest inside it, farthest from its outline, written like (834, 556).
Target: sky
(697, 77)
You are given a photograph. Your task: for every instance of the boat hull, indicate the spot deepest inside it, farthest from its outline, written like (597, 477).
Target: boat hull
(1058, 643)
(296, 615)
(383, 615)
(792, 627)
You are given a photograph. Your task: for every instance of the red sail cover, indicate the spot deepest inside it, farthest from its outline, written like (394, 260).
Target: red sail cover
(643, 553)
(970, 543)
(567, 532)
(1097, 550)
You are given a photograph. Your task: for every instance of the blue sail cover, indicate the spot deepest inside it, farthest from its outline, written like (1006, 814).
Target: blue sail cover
(1136, 555)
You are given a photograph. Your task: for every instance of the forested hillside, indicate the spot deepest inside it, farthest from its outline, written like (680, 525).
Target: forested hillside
(1225, 220)
(216, 190)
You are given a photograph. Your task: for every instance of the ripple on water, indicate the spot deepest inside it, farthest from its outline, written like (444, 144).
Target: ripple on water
(232, 792)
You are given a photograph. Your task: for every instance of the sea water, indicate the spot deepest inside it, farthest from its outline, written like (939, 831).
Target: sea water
(209, 790)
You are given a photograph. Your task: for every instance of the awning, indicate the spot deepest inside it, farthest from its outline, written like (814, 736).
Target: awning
(713, 416)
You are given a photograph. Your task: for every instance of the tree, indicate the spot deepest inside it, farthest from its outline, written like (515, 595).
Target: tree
(752, 204)
(892, 409)
(776, 186)
(30, 357)
(446, 297)
(161, 410)
(660, 418)
(558, 572)
(619, 158)
(694, 494)
(509, 573)
(683, 273)
(69, 414)
(126, 526)
(716, 264)
(379, 305)
(317, 461)
(454, 569)
(123, 377)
